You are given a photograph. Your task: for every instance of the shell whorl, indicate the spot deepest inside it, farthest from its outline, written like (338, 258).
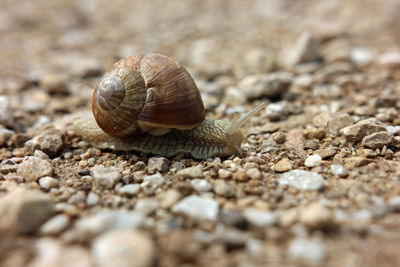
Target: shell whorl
(118, 100)
(111, 92)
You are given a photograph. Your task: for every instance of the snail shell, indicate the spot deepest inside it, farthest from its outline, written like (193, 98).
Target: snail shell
(146, 93)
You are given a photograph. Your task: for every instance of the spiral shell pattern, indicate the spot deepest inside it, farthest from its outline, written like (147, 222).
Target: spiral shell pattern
(152, 89)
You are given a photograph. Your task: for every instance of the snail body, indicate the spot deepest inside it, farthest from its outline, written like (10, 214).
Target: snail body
(151, 104)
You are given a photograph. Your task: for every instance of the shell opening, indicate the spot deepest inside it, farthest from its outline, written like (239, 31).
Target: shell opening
(111, 92)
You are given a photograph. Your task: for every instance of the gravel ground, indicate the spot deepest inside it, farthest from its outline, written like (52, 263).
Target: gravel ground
(317, 182)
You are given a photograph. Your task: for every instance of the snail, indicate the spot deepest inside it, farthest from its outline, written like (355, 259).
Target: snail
(151, 104)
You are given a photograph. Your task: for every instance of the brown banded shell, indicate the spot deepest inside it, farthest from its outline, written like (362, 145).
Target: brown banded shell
(151, 90)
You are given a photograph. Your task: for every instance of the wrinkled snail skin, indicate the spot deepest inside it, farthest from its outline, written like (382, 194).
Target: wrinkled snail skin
(212, 138)
(149, 103)
(205, 141)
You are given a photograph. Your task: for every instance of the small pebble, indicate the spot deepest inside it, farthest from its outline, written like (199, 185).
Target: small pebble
(129, 190)
(23, 210)
(123, 248)
(6, 113)
(390, 60)
(275, 111)
(339, 170)
(5, 135)
(48, 182)
(394, 203)
(40, 154)
(313, 160)
(361, 56)
(377, 140)
(192, 172)
(316, 215)
(197, 208)
(222, 188)
(54, 252)
(50, 142)
(304, 49)
(92, 199)
(278, 137)
(83, 172)
(265, 85)
(104, 177)
(283, 165)
(259, 218)
(201, 185)
(393, 129)
(55, 225)
(152, 181)
(254, 173)
(224, 174)
(303, 180)
(356, 132)
(157, 164)
(168, 198)
(33, 168)
(146, 206)
(87, 228)
(240, 176)
(338, 121)
(306, 249)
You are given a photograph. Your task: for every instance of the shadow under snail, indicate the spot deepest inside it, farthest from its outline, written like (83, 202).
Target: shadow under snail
(151, 104)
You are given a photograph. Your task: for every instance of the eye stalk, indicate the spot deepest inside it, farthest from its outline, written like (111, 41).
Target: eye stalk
(233, 133)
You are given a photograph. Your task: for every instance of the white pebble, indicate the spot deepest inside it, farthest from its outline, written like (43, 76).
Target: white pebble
(146, 206)
(393, 129)
(201, 185)
(302, 180)
(48, 182)
(339, 170)
(87, 228)
(306, 249)
(105, 177)
(123, 248)
(92, 199)
(129, 190)
(152, 181)
(394, 203)
(55, 225)
(313, 160)
(197, 208)
(259, 218)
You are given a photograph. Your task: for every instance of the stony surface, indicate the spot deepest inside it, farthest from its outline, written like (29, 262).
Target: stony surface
(316, 182)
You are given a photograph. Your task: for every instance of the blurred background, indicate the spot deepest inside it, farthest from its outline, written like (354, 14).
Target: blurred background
(71, 37)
